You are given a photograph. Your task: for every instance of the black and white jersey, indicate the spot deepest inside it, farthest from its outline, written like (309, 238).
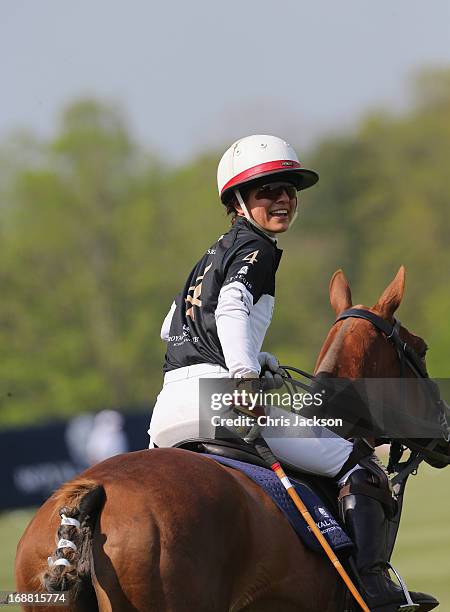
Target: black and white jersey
(222, 314)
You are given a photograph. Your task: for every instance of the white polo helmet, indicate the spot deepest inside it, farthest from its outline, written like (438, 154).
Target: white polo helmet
(257, 157)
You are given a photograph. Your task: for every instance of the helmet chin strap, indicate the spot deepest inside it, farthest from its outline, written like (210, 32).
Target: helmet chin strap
(295, 215)
(250, 219)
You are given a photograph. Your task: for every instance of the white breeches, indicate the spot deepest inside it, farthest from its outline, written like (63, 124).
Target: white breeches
(176, 413)
(176, 418)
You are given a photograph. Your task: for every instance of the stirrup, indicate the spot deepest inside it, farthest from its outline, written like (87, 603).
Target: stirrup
(409, 606)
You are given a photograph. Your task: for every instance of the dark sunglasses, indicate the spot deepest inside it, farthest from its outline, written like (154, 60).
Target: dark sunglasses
(274, 190)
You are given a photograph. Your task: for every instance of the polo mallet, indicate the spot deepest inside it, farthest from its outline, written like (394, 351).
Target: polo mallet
(264, 451)
(254, 437)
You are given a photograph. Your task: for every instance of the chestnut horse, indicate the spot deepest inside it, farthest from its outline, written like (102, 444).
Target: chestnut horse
(172, 530)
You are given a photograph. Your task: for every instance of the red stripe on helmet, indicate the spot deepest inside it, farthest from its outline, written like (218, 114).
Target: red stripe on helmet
(280, 164)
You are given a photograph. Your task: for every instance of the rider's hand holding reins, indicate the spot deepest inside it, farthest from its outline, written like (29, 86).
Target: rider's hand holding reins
(271, 373)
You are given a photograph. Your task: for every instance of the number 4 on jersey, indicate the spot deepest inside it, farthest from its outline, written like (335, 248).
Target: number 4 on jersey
(251, 257)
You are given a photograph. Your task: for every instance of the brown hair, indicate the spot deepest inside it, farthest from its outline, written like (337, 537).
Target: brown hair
(231, 201)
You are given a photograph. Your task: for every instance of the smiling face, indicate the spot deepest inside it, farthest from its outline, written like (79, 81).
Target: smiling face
(272, 206)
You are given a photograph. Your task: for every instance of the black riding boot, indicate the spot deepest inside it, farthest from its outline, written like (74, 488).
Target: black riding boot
(367, 525)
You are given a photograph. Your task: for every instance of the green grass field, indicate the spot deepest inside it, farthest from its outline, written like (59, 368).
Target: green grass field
(423, 547)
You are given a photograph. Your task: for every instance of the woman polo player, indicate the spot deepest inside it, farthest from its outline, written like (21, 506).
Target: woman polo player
(216, 326)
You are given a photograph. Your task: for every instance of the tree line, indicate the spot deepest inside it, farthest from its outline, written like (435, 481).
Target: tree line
(98, 235)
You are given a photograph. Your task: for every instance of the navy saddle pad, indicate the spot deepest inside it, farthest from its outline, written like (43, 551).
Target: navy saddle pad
(330, 528)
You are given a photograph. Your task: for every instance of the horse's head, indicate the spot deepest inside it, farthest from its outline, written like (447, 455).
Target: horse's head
(355, 348)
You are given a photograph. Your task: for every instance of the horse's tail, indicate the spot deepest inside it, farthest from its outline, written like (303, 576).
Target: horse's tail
(80, 502)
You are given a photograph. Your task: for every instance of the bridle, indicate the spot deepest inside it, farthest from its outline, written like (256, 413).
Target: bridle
(408, 358)
(407, 355)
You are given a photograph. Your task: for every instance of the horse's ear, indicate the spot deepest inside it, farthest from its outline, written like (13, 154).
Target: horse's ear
(340, 294)
(392, 296)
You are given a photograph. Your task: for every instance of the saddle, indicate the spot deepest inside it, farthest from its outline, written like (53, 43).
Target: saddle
(319, 494)
(239, 450)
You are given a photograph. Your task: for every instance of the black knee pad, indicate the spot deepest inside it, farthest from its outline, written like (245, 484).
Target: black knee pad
(371, 482)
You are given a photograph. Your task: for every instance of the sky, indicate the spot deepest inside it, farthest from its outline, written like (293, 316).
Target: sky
(197, 75)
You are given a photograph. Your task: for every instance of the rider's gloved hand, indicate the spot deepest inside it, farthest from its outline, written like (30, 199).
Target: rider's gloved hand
(271, 374)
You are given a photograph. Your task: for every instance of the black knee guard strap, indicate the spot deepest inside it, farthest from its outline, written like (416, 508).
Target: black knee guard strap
(372, 483)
